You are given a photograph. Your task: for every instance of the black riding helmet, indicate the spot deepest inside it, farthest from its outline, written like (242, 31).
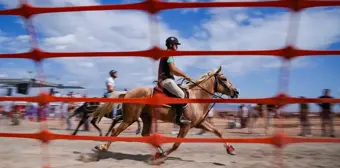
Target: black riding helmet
(112, 72)
(171, 41)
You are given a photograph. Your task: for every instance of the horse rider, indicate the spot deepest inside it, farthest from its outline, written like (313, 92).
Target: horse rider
(110, 88)
(110, 83)
(166, 79)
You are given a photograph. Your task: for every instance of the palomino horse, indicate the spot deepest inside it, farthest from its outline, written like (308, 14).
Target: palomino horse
(205, 87)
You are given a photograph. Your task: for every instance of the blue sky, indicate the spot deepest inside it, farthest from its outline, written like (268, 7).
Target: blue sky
(203, 29)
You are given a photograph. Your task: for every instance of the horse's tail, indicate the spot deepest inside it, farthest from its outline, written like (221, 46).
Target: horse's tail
(104, 109)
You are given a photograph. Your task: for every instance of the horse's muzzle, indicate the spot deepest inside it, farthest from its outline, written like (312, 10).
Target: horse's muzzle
(236, 93)
(234, 97)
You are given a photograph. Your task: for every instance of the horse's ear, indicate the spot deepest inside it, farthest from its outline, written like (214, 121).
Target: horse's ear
(219, 69)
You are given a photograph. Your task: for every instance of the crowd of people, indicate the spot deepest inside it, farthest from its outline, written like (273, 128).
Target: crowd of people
(327, 116)
(247, 117)
(34, 112)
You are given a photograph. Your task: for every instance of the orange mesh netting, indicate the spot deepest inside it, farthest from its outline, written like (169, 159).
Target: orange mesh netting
(153, 7)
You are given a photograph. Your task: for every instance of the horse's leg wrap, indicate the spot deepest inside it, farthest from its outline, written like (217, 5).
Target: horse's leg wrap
(160, 150)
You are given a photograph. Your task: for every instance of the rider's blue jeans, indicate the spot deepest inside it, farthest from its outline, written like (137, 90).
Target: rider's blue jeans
(114, 110)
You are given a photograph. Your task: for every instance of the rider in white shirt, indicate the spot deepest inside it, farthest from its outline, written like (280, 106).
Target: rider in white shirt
(110, 87)
(7, 105)
(110, 83)
(55, 107)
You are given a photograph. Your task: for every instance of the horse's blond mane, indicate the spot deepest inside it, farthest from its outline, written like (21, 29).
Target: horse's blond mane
(200, 79)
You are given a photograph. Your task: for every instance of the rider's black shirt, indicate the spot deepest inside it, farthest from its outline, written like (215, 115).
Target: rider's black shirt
(164, 71)
(325, 106)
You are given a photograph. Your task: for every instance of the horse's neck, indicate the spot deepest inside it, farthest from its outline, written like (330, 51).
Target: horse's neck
(205, 91)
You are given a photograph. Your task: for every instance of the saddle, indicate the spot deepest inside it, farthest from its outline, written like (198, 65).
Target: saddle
(159, 90)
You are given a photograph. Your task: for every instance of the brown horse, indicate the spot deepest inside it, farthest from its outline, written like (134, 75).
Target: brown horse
(205, 87)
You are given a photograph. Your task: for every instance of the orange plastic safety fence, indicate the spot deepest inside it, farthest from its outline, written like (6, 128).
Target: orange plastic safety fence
(153, 7)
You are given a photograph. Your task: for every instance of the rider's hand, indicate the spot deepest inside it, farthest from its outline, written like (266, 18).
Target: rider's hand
(187, 78)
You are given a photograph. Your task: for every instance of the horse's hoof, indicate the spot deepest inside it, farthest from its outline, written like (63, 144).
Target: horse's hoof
(230, 150)
(100, 148)
(157, 159)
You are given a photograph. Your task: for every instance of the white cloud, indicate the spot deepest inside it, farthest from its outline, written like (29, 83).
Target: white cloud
(13, 44)
(226, 29)
(68, 39)
(3, 75)
(311, 36)
(14, 73)
(9, 4)
(73, 82)
(23, 37)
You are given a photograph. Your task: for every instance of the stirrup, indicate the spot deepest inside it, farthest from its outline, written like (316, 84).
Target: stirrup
(182, 121)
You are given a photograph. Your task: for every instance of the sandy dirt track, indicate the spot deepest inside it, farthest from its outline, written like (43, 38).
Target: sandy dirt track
(25, 153)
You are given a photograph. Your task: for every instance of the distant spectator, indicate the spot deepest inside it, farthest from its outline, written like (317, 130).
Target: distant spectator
(67, 109)
(32, 110)
(1, 111)
(243, 115)
(326, 115)
(7, 106)
(254, 114)
(304, 120)
(269, 111)
(57, 106)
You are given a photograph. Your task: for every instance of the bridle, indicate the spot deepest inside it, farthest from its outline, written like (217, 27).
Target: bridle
(217, 81)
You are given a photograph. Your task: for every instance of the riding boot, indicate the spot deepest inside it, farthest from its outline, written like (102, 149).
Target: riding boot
(179, 119)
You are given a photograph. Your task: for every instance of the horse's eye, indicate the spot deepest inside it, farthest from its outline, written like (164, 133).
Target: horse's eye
(223, 79)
